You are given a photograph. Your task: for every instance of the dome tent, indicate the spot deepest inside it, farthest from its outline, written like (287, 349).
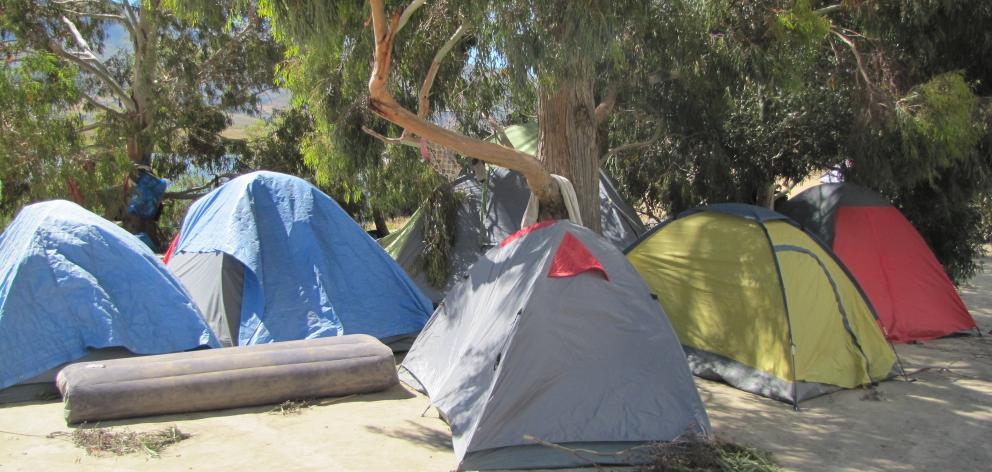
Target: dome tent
(914, 298)
(553, 335)
(760, 304)
(269, 257)
(72, 283)
(492, 209)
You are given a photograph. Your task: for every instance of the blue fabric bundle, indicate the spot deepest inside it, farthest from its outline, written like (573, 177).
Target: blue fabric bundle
(310, 270)
(147, 195)
(70, 281)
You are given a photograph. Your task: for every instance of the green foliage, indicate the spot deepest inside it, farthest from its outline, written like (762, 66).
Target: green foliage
(439, 212)
(801, 21)
(276, 145)
(754, 95)
(930, 148)
(728, 108)
(983, 205)
(174, 210)
(41, 149)
(717, 100)
(937, 125)
(145, 82)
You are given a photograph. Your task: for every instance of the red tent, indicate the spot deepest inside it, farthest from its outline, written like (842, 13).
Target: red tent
(914, 298)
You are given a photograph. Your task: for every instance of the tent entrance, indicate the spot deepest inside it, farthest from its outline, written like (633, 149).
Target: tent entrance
(804, 293)
(220, 303)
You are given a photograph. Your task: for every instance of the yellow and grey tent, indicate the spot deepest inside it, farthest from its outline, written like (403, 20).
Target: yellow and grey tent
(760, 304)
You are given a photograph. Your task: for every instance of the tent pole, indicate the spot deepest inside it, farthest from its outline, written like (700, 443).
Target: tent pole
(795, 385)
(902, 369)
(785, 307)
(483, 209)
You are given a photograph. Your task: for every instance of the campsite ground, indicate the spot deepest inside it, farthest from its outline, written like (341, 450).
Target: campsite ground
(941, 419)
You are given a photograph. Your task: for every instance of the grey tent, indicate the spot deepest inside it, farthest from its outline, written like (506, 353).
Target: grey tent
(488, 212)
(553, 335)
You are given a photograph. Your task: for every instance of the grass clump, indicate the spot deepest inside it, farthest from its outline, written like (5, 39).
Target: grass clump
(97, 441)
(699, 455)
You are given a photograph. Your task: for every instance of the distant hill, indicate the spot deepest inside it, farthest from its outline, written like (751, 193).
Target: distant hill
(118, 40)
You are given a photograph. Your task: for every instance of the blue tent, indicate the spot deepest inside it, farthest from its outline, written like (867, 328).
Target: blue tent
(71, 281)
(269, 257)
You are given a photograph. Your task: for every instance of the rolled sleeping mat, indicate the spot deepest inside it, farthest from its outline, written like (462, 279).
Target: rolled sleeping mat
(231, 377)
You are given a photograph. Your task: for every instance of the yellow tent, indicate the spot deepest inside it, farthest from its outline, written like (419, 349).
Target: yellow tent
(759, 303)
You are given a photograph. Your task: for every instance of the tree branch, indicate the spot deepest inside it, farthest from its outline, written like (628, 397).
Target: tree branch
(604, 108)
(636, 145)
(102, 16)
(423, 104)
(96, 103)
(423, 100)
(407, 13)
(383, 104)
(86, 59)
(857, 57)
(206, 65)
(90, 127)
(829, 9)
(405, 139)
(499, 131)
(131, 22)
(192, 193)
(182, 196)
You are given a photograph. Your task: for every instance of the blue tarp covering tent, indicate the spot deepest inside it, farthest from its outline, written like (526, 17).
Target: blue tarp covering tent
(71, 281)
(299, 267)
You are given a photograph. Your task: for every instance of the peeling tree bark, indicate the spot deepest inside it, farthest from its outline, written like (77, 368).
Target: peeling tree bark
(567, 118)
(383, 104)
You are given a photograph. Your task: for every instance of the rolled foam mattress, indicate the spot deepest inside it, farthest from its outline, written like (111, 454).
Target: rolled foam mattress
(231, 377)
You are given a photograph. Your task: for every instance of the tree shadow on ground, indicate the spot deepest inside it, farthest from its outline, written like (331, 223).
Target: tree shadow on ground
(418, 434)
(938, 419)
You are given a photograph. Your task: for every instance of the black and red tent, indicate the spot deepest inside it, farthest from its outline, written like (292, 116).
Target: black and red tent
(914, 298)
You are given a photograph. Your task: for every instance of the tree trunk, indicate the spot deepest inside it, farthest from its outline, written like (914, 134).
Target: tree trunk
(567, 119)
(381, 230)
(139, 145)
(766, 196)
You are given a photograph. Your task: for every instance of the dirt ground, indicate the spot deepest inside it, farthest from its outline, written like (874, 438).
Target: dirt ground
(940, 419)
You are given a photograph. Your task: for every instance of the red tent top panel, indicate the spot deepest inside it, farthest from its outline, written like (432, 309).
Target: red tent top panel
(574, 258)
(527, 230)
(914, 298)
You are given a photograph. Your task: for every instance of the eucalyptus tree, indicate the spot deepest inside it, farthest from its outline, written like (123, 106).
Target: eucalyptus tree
(893, 94)
(34, 91)
(689, 102)
(164, 87)
(447, 74)
(925, 69)
(648, 87)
